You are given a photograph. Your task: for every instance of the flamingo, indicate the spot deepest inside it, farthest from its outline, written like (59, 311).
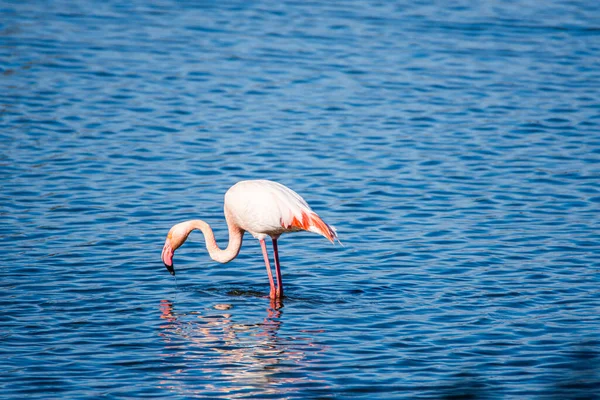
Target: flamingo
(261, 207)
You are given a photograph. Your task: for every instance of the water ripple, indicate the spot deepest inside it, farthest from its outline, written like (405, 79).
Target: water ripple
(454, 146)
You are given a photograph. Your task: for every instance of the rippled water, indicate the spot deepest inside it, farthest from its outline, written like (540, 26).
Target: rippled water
(454, 145)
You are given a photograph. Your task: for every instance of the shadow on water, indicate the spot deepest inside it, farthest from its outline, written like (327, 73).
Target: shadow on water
(234, 290)
(468, 386)
(231, 355)
(580, 379)
(577, 379)
(243, 289)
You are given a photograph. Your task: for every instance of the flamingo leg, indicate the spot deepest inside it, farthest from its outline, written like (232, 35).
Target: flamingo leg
(277, 270)
(266, 256)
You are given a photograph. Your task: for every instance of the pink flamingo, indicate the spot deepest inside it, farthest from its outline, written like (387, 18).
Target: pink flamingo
(263, 208)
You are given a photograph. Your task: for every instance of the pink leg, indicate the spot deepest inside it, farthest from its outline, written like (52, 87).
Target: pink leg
(277, 270)
(266, 255)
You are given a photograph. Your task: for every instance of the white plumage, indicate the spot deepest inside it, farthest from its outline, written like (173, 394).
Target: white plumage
(266, 208)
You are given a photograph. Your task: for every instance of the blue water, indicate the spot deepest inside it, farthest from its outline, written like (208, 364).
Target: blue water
(454, 145)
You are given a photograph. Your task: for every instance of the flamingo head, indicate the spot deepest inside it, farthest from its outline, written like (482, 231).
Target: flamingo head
(176, 237)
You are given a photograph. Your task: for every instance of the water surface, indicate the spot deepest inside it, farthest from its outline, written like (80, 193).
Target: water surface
(455, 146)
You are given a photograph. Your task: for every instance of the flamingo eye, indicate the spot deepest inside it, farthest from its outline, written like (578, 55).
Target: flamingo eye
(169, 236)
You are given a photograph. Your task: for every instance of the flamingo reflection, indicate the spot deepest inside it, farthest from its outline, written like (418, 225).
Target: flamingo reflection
(222, 356)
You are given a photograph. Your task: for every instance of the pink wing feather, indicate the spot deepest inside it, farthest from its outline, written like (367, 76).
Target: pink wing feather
(297, 214)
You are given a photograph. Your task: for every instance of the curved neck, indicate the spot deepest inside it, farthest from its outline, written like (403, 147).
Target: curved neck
(235, 239)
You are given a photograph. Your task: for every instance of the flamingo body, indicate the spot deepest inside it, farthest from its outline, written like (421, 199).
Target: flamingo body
(266, 208)
(262, 208)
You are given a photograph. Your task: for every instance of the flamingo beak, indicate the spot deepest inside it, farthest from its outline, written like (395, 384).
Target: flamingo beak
(167, 256)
